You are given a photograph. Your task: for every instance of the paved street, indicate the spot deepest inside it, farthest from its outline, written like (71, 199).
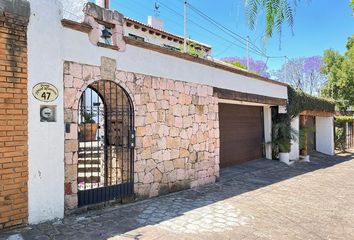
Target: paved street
(262, 199)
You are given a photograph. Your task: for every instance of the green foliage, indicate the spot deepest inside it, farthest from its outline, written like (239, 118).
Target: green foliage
(88, 116)
(276, 13)
(282, 133)
(236, 64)
(344, 119)
(340, 131)
(193, 50)
(340, 71)
(303, 138)
(300, 101)
(340, 138)
(352, 5)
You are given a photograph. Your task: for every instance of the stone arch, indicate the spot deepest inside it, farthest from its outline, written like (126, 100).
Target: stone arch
(77, 78)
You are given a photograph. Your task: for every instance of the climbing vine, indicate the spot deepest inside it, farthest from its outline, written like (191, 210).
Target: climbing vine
(300, 101)
(297, 103)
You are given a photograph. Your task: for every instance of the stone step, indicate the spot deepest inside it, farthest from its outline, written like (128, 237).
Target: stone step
(91, 179)
(89, 170)
(88, 161)
(90, 154)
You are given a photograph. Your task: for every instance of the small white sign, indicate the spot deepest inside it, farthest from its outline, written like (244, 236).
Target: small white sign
(282, 109)
(45, 92)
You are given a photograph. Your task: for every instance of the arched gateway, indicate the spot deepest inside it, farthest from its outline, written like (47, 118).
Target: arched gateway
(105, 144)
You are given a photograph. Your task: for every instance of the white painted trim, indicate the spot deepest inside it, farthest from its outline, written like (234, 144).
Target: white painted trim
(267, 115)
(295, 147)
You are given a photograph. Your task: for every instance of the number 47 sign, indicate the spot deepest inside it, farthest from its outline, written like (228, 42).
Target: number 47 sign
(45, 92)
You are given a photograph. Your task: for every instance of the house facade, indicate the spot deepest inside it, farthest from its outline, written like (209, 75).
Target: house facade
(88, 120)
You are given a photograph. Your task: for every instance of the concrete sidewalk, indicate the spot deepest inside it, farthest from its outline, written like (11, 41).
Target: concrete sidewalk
(262, 199)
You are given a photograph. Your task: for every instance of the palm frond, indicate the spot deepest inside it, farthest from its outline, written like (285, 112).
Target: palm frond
(277, 13)
(251, 12)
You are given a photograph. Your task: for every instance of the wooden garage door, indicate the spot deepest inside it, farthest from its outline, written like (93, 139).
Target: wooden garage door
(241, 133)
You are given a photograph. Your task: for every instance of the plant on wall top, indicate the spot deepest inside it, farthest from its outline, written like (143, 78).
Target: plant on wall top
(193, 50)
(236, 64)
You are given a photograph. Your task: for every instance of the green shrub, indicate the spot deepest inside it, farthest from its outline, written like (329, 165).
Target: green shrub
(236, 64)
(340, 138)
(193, 51)
(344, 119)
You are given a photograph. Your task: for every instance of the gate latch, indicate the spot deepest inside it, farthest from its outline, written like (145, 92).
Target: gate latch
(131, 140)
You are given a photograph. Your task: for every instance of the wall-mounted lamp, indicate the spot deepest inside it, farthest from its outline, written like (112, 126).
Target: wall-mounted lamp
(106, 35)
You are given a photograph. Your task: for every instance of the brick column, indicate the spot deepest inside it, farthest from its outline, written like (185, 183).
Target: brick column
(13, 113)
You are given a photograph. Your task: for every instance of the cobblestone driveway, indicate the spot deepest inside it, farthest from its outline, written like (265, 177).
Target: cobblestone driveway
(262, 199)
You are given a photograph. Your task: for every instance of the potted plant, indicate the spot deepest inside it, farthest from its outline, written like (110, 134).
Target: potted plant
(88, 127)
(282, 134)
(303, 143)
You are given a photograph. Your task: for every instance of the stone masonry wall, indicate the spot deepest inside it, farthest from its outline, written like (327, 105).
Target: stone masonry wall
(177, 131)
(13, 116)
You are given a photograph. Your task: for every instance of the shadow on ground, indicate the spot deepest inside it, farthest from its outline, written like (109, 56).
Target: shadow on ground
(121, 220)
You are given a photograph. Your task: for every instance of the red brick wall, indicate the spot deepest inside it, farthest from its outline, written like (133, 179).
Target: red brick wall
(13, 120)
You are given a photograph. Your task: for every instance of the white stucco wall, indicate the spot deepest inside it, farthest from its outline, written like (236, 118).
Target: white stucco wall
(76, 47)
(267, 113)
(325, 135)
(295, 151)
(49, 45)
(46, 140)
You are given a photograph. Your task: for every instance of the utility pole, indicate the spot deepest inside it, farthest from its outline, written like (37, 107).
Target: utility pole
(248, 53)
(185, 27)
(106, 4)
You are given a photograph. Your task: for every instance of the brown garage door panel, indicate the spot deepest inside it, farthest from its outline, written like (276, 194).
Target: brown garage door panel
(241, 133)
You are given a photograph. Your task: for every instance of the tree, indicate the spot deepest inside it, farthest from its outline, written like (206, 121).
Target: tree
(256, 66)
(276, 13)
(340, 71)
(303, 74)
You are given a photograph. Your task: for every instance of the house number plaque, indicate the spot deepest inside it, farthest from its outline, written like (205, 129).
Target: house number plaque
(45, 92)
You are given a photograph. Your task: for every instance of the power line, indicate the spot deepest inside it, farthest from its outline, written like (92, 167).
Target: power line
(207, 30)
(237, 38)
(198, 25)
(226, 30)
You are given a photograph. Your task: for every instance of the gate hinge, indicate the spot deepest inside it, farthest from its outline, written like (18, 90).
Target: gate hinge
(131, 140)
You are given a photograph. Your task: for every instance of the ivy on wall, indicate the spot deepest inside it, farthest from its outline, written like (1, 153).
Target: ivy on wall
(300, 101)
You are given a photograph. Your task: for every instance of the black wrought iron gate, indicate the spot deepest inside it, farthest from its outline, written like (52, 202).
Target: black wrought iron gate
(106, 143)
